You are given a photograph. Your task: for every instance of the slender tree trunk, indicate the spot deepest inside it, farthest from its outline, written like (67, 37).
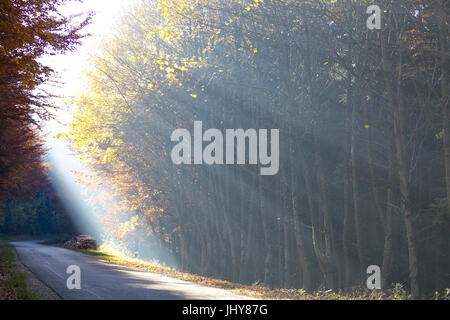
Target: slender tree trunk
(388, 257)
(356, 189)
(287, 283)
(445, 109)
(315, 228)
(267, 230)
(398, 115)
(304, 259)
(346, 238)
(249, 246)
(326, 229)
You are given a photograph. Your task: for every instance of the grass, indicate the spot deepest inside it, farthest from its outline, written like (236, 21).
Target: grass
(12, 283)
(258, 291)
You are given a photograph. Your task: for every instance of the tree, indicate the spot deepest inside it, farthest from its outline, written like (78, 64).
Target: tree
(28, 31)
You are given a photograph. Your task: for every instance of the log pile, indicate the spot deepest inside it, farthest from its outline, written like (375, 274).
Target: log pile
(81, 242)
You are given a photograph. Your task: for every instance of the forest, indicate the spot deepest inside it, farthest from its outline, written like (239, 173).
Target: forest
(364, 174)
(364, 139)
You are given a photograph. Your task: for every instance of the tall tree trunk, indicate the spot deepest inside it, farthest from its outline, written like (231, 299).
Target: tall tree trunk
(267, 231)
(312, 212)
(305, 264)
(386, 268)
(445, 109)
(326, 228)
(356, 188)
(346, 237)
(397, 109)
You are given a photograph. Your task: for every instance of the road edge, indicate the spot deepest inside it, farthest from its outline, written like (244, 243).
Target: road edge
(34, 285)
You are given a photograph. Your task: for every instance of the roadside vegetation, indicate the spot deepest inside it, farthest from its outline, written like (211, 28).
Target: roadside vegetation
(12, 283)
(257, 290)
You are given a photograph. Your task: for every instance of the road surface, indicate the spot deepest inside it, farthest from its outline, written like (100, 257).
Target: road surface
(104, 281)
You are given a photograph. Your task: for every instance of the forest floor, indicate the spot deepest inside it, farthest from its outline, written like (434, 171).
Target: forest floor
(258, 291)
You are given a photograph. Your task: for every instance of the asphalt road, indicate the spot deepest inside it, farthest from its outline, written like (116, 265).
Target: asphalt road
(105, 281)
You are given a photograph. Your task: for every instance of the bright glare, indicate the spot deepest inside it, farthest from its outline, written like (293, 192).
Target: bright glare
(69, 68)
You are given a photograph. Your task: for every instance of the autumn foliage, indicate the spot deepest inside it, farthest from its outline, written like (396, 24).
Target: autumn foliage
(29, 30)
